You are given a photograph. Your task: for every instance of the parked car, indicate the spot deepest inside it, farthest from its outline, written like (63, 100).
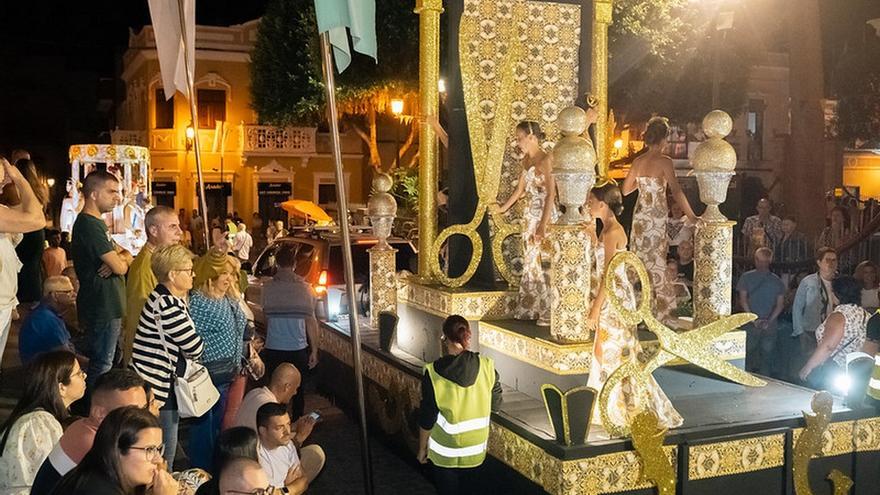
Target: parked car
(320, 262)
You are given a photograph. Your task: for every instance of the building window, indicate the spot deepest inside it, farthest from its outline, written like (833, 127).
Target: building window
(164, 111)
(326, 194)
(755, 130)
(212, 107)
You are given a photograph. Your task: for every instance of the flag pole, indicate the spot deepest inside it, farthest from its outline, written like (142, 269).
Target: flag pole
(194, 116)
(342, 202)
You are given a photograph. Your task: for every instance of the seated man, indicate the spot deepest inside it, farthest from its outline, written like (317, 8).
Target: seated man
(44, 330)
(283, 385)
(114, 389)
(243, 475)
(278, 456)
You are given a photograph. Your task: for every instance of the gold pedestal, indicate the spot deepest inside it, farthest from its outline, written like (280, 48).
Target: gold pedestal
(570, 275)
(383, 282)
(713, 270)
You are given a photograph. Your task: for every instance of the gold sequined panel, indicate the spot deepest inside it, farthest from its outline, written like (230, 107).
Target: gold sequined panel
(610, 473)
(487, 305)
(525, 458)
(867, 434)
(561, 359)
(734, 457)
(570, 282)
(383, 283)
(713, 271)
(546, 77)
(836, 440)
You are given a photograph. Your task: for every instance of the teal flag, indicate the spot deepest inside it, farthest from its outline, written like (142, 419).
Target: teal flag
(359, 16)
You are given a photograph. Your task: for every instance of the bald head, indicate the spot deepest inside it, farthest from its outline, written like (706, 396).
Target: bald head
(285, 382)
(242, 475)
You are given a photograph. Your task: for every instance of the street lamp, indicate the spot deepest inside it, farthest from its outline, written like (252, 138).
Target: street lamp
(397, 107)
(397, 110)
(190, 135)
(51, 181)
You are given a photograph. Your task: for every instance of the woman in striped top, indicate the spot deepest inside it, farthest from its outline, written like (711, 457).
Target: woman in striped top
(156, 362)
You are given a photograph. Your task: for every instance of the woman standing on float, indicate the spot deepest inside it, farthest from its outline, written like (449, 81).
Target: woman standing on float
(616, 343)
(537, 180)
(652, 173)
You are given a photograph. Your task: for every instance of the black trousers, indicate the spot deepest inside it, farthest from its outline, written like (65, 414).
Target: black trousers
(272, 358)
(456, 481)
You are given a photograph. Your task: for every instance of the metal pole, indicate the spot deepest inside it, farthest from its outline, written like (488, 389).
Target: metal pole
(194, 116)
(342, 201)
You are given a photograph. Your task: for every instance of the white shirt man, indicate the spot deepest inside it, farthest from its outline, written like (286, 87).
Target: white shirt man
(277, 454)
(243, 243)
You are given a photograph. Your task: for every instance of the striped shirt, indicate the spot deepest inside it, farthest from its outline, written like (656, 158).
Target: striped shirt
(149, 357)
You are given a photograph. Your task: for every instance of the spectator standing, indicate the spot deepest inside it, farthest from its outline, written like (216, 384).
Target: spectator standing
(125, 459)
(30, 249)
(114, 389)
(242, 247)
(43, 330)
(793, 246)
(26, 217)
(814, 301)
(842, 332)
(678, 227)
(198, 232)
(763, 229)
(459, 392)
(761, 292)
(291, 326)
(163, 229)
(220, 322)
(54, 381)
(835, 234)
(866, 274)
(54, 257)
(158, 358)
(279, 458)
(100, 267)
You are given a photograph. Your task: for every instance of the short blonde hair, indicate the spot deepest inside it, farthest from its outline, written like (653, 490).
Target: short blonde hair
(169, 258)
(232, 266)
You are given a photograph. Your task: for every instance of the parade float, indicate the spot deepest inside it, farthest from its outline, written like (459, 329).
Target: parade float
(516, 60)
(131, 165)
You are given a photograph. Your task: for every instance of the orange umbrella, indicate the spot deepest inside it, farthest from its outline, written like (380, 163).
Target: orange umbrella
(307, 210)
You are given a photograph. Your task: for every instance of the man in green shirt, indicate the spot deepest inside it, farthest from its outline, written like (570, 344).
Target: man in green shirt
(163, 229)
(100, 266)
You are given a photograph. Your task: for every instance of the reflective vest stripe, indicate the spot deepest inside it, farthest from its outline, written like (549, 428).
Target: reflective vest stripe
(463, 426)
(874, 383)
(456, 452)
(877, 360)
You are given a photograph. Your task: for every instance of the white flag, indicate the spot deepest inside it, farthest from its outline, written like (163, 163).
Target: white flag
(172, 42)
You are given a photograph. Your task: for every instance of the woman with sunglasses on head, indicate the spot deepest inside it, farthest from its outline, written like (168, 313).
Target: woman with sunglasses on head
(536, 180)
(166, 336)
(126, 459)
(54, 381)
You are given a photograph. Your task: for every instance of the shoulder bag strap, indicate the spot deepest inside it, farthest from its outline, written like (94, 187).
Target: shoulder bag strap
(158, 319)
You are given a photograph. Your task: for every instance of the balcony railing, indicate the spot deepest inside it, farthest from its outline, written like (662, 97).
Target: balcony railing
(131, 138)
(270, 140)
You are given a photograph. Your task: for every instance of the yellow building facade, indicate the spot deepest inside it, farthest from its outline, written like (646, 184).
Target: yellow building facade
(247, 167)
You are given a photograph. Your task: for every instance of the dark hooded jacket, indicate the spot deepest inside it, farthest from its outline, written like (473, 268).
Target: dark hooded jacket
(461, 369)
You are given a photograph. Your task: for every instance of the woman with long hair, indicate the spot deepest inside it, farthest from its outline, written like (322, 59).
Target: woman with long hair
(30, 249)
(615, 342)
(54, 381)
(235, 443)
(866, 273)
(125, 459)
(652, 174)
(536, 180)
(220, 322)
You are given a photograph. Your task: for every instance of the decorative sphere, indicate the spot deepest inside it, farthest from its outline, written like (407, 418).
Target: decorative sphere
(572, 121)
(717, 124)
(381, 204)
(573, 153)
(382, 183)
(714, 154)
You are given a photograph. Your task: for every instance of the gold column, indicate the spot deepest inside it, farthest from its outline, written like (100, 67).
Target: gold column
(714, 163)
(383, 282)
(570, 282)
(429, 98)
(602, 18)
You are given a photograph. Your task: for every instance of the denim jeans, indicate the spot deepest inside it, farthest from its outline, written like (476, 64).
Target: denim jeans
(203, 433)
(103, 339)
(170, 421)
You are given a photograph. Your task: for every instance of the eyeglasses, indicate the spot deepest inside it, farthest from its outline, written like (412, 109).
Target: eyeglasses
(185, 270)
(81, 374)
(152, 452)
(258, 491)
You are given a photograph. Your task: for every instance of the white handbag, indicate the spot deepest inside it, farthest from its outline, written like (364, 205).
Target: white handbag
(195, 392)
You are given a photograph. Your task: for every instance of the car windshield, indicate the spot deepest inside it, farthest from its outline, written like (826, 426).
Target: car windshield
(266, 264)
(360, 259)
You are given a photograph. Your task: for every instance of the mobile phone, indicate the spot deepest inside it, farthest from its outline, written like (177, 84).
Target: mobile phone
(315, 415)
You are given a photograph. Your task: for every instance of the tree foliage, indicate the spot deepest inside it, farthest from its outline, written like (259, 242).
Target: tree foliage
(858, 85)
